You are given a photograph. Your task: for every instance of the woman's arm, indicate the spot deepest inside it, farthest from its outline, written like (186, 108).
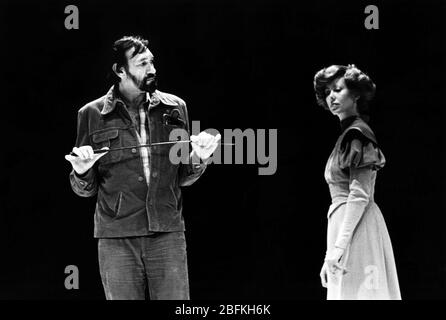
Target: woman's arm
(358, 199)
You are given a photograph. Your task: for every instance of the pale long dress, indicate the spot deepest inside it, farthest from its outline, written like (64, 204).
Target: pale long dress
(355, 221)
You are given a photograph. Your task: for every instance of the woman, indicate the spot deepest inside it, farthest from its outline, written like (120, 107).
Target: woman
(359, 262)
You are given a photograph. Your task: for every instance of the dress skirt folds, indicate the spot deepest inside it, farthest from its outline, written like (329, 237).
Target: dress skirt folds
(355, 222)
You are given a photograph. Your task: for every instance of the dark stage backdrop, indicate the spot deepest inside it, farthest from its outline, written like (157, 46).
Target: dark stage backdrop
(238, 64)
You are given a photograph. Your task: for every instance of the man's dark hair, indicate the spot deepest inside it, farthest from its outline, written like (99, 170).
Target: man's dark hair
(121, 46)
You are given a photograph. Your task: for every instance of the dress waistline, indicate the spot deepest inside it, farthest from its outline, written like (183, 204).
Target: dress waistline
(336, 204)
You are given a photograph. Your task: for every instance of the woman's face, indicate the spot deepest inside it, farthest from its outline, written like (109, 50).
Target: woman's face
(340, 100)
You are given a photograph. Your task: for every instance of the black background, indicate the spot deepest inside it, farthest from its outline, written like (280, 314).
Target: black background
(240, 65)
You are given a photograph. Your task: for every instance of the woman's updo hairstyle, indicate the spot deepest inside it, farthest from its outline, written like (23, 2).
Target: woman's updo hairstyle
(355, 80)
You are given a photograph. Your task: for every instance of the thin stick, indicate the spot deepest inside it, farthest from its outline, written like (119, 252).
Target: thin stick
(147, 145)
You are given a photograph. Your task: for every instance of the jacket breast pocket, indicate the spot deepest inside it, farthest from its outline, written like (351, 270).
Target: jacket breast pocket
(174, 118)
(108, 138)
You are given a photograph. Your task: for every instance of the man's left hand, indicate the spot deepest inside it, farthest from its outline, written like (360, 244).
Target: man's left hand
(204, 144)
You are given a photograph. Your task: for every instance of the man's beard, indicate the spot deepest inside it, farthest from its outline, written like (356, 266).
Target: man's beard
(147, 84)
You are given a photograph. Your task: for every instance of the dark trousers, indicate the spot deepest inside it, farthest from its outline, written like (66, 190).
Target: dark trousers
(138, 268)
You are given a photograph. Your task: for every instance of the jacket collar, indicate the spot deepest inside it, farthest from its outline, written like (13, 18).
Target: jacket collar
(113, 97)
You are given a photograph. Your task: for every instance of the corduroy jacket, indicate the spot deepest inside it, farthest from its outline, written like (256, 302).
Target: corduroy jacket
(127, 204)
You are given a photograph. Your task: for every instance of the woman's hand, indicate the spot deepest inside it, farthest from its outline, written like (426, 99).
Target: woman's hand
(323, 275)
(332, 260)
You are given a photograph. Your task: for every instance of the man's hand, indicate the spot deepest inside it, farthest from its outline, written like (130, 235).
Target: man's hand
(204, 144)
(85, 158)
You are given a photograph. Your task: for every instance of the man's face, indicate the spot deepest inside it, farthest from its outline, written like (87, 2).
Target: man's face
(140, 71)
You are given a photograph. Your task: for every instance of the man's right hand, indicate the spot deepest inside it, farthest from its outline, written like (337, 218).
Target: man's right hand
(85, 159)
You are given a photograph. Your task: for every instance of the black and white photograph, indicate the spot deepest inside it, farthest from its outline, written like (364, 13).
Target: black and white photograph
(215, 151)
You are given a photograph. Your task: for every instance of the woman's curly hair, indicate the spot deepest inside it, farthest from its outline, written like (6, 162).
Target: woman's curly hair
(355, 80)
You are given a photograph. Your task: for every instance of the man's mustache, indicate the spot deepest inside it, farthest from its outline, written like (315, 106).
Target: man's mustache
(150, 77)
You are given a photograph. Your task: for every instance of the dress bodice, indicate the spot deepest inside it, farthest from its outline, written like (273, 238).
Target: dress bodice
(356, 147)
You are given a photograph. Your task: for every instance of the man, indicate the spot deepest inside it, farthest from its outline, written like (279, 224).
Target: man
(138, 217)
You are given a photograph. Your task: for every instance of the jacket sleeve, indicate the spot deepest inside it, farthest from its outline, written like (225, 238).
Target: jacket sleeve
(84, 185)
(190, 172)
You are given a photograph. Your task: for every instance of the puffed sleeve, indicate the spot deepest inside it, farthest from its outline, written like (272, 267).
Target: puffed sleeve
(360, 150)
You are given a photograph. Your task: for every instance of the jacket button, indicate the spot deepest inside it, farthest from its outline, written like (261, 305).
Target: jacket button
(140, 179)
(134, 150)
(154, 174)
